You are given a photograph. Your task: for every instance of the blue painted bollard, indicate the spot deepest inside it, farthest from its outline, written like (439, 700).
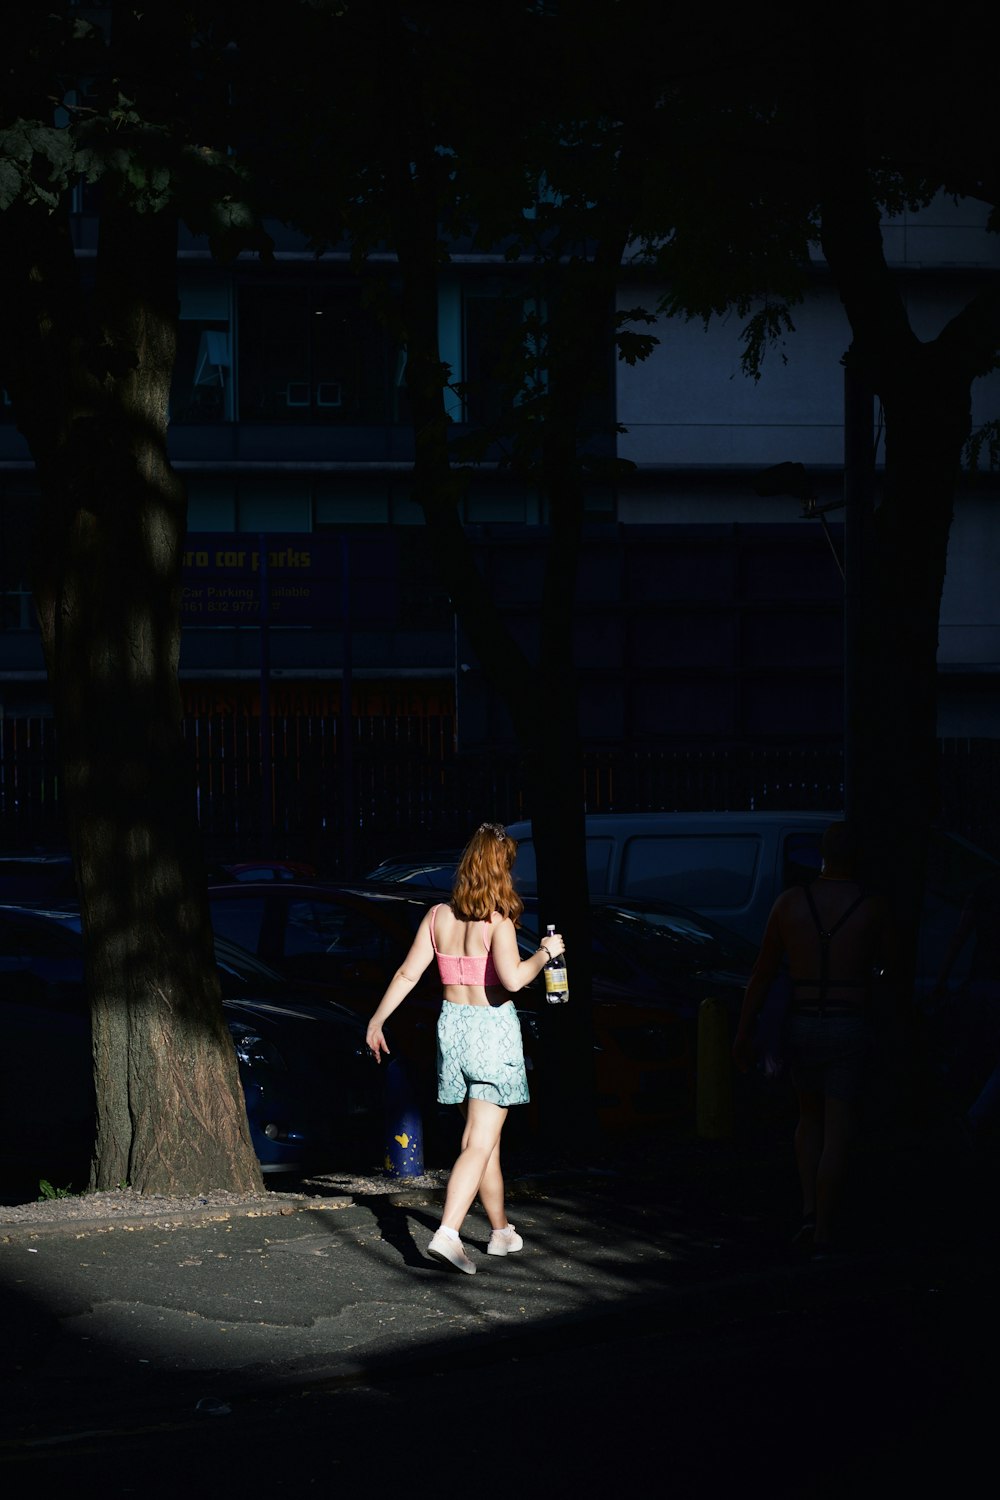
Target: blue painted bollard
(404, 1128)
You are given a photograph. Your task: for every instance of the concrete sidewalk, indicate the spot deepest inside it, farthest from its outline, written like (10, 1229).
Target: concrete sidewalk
(229, 1336)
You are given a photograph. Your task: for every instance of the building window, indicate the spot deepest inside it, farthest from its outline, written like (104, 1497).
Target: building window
(496, 339)
(19, 505)
(200, 390)
(316, 355)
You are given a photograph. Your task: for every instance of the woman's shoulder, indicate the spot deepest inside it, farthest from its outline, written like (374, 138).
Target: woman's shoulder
(502, 927)
(787, 900)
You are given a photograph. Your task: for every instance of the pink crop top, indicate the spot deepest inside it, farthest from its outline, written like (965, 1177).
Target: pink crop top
(461, 969)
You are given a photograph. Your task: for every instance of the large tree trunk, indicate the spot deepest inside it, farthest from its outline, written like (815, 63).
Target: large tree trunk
(90, 379)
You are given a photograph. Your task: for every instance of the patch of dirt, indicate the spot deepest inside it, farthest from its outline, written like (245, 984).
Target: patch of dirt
(125, 1203)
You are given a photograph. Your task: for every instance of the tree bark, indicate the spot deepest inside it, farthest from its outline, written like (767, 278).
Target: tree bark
(90, 378)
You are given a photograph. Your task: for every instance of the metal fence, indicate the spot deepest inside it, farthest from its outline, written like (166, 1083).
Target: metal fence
(399, 786)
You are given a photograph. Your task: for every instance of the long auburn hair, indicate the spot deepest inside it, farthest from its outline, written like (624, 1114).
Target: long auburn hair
(483, 882)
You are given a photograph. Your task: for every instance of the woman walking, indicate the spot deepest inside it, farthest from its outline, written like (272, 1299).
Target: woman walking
(480, 1055)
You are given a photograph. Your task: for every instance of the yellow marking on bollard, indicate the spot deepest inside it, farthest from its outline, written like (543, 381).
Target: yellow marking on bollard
(404, 1140)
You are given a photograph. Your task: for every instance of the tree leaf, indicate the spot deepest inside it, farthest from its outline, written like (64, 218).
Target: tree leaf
(11, 182)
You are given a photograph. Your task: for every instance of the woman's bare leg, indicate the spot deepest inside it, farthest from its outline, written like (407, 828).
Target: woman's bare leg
(491, 1188)
(838, 1134)
(478, 1162)
(491, 1191)
(809, 1145)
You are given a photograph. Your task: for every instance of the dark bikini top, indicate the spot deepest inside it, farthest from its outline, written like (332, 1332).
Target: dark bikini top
(824, 983)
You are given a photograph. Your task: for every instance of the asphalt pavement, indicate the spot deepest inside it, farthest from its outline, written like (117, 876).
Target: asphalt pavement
(657, 1328)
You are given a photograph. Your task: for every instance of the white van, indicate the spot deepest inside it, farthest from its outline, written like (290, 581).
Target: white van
(729, 866)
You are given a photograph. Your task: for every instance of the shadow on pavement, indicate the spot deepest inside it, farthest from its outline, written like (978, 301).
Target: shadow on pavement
(669, 1338)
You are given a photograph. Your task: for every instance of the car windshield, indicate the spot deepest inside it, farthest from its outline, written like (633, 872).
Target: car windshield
(435, 872)
(242, 974)
(664, 940)
(955, 867)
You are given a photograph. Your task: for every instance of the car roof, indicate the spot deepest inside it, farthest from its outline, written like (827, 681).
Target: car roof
(425, 857)
(66, 914)
(637, 822)
(393, 896)
(389, 890)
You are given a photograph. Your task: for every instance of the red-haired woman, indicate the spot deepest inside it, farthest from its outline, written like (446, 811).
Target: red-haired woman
(480, 1057)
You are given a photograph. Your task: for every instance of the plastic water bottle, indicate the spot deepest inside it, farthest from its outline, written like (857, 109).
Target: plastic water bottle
(556, 982)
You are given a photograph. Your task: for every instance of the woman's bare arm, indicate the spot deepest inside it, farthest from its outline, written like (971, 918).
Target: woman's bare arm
(762, 976)
(513, 971)
(402, 982)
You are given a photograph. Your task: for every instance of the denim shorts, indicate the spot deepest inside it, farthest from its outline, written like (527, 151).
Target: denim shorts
(480, 1054)
(829, 1054)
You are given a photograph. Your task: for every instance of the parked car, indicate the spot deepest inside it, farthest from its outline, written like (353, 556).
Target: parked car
(657, 952)
(653, 964)
(39, 875)
(311, 1090)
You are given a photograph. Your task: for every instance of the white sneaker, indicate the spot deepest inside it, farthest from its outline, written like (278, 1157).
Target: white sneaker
(504, 1241)
(443, 1247)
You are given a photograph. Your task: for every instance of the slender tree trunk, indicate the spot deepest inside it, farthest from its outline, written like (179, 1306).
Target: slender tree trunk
(898, 792)
(541, 696)
(925, 389)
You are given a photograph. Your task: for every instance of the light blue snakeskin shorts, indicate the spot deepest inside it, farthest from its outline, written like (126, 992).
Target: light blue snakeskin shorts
(480, 1054)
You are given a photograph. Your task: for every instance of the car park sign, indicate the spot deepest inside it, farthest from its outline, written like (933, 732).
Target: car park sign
(296, 578)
